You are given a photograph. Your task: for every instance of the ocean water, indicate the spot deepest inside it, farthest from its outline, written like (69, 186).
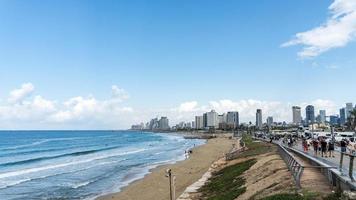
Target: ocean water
(81, 164)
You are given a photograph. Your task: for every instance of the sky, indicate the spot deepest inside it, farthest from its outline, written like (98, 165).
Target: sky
(106, 64)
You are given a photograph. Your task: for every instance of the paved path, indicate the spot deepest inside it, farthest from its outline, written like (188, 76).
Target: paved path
(332, 161)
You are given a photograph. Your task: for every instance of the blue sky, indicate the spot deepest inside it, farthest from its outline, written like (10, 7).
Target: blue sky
(166, 53)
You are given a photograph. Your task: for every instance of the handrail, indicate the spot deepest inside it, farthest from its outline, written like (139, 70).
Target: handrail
(294, 166)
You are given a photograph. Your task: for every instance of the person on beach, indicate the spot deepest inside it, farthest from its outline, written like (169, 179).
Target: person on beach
(323, 145)
(331, 148)
(315, 146)
(343, 146)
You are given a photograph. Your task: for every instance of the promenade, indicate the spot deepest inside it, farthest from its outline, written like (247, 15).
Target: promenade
(332, 161)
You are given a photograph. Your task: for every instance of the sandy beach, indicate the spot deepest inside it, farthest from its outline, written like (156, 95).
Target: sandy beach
(155, 185)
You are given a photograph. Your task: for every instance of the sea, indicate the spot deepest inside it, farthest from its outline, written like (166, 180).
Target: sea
(81, 164)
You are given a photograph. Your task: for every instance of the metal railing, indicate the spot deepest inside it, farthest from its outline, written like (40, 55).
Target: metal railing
(351, 164)
(294, 166)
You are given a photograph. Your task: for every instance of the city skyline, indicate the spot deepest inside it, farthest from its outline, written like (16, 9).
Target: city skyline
(107, 65)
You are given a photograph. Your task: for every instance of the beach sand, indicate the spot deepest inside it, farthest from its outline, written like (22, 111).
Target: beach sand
(155, 186)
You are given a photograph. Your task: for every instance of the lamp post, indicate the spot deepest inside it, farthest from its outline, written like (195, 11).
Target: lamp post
(169, 175)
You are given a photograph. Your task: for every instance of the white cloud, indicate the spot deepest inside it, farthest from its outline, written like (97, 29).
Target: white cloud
(337, 31)
(119, 93)
(25, 112)
(18, 95)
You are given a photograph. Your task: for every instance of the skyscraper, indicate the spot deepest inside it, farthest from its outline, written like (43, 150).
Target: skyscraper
(205, 120)
(269, 121)
(212, 119)
(349, 108)
(309, 114)
(259, 119)
(233, 119)
(163, 123)
(297, 115)
(199, 124)
(342, 116)
(322, 114)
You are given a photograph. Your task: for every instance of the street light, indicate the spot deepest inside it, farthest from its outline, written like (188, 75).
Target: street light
(169, 175)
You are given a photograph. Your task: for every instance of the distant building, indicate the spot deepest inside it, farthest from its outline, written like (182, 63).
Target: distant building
(349, 108)
(309, 114)
(334, 120)
(259, 119)
(342, 116)
(163, 124)
(297, 115)
(212, 119)
(205, 120)
(322, 115)
(232, 120)
(269, 121)
(199, 124)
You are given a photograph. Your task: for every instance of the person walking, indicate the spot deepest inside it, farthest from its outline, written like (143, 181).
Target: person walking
(323, 145)
(305, 145)
(315, 146)
(331, 148)
(343, 146)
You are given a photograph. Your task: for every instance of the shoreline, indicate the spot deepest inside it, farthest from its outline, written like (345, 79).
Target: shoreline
(154, 184)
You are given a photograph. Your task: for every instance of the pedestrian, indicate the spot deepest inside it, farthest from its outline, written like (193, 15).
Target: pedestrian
(323, 145)
(331, 148)
(343, 146)
(315, 146)
(305, 145)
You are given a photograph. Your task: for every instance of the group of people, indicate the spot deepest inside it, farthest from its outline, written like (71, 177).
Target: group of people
(320, 146)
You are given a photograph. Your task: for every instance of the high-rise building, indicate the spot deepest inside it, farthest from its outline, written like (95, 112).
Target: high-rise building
(334, 120)
(199, 122)
(233, 119)
(309, 114)
(222, 118)
(269, 121)
(212, 119)
(322, 114)
(205, 120)
(342, 116)
(297, 115)
(259, 119)
(163, 123)
(349, 108)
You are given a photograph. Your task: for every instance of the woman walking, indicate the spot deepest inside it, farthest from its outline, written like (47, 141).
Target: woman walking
(331, 148)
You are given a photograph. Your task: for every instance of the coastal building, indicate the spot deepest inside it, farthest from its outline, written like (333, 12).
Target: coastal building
(269, 121)
(205, 120)
(342, 116)
(232, 120)
(199, 124)
(334, 120)
(349, 108)
(212, 119)
(163, 124)
(309, 114)
(322, 116)
(259, 119)
(297, 115)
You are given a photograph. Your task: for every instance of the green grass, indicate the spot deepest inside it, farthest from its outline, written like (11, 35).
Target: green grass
(306, 196)
(226, 184)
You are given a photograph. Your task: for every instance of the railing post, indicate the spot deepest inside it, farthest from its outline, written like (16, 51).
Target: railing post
(341, 161)
(351, 168)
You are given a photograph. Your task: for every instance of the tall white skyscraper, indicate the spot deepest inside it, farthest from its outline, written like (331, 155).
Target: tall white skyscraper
(297, 115)
(212, 119)
(349, 108)
(199, 122)
(259, 119)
